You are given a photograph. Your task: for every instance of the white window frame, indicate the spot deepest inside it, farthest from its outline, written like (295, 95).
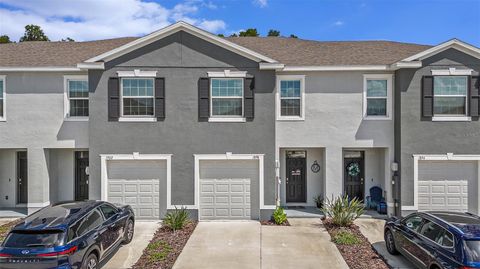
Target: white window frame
(230, 118)
(136, 118)
(389, 79)
(279, 98)
(3, 78)
(451, 117)
(66, 102)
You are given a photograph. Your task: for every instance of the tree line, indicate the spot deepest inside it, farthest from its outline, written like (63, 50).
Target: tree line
(254, 32)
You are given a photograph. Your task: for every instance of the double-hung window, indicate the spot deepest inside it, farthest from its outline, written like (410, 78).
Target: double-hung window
(76, 103)
(137, 97)
(291, 95)
(450, 95)
(377, 96)
(226, 98)
(2, 98)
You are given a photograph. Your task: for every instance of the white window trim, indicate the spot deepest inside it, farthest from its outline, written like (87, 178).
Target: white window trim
(219, 118)
(104, 158)
(137, 73)
(136, 118)
(389, 79)
(231, 156)
(452, 72)
(4, 97)
(66, 98)
(227, 74)
(302, 98)
(435, 157)
(451, 117)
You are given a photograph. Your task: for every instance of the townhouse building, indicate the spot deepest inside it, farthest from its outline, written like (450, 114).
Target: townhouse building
(233, 127)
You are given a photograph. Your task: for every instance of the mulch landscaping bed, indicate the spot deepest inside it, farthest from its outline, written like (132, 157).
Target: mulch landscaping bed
(358, 256)
(165, 247)
(272, 223)
(5, 228)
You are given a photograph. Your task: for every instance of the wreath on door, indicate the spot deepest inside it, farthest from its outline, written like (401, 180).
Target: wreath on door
(353, 169)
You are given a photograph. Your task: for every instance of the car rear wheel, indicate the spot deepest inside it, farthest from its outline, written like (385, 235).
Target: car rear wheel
(129, 230)
(390, 242)
(91, 262)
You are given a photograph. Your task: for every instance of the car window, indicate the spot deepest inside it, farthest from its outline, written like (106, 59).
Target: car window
(472, 250)
(32, 239)
(89, 223)
(413, 222)
(432, 231)
(108, 211)
(446, 239)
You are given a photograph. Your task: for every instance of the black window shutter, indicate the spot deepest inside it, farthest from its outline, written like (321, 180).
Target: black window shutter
(204, 98)
(474, 89)
(427, 96)
(113, 99)
(249, 95)
(160, 98)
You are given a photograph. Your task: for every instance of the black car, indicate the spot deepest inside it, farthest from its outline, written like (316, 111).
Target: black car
(68, 235)
(436, 240)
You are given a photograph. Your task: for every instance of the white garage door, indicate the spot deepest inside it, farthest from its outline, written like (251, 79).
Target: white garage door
(137, 184)
(225, 189)
(444, 185)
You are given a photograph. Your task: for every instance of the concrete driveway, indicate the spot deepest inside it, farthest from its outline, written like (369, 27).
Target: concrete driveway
(373, 230)
(127, 255)
(305, 244)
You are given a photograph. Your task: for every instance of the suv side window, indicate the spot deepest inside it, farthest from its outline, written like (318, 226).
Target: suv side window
(432, 231)
(413, 222)
(91, 222)
(446, 239)
(108, 211)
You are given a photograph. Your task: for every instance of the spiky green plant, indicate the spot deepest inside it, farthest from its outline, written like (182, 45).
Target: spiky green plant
(343, 210)
(279, 216)
(176, 219)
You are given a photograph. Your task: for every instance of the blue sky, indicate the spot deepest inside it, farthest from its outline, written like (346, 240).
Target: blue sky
(425, 22)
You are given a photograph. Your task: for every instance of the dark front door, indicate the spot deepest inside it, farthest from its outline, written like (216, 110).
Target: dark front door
(354, 174)
(81, 176)
(295, 180)
(22, 177)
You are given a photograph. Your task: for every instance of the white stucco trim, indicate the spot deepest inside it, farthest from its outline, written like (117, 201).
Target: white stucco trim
(336, 68)
(176, 27)
(389, 78)
(278, 98)
(40, 69)
(219, 119)
(452, 71)
(86, 66)
(451, 118)
(139, 119)
(453, 43)
(134, 156)
(3, 78)
(227, 74)
(66, 99)
(136, 73)
(434, 157)
(231, 156)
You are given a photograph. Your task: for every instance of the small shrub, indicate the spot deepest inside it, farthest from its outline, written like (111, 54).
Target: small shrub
(318, 201)
(176, 219)
(158, 251)
(342, 210)
(279, 216)
(346, 238)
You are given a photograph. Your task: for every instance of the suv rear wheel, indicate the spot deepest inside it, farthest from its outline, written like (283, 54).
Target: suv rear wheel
(129, 230)
(390, 242)
(91, 262)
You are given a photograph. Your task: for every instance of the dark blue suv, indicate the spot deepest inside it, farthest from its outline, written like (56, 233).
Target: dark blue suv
(68, 235)
(436, 240)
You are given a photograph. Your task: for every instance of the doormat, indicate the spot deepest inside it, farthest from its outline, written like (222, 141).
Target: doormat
(295, 207)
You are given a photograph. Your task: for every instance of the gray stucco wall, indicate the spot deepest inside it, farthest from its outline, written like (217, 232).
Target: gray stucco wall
(334, 122)
(35, 122)
(182, 59)
(417, 135)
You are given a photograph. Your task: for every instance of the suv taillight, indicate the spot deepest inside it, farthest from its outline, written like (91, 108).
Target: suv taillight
(67, 252)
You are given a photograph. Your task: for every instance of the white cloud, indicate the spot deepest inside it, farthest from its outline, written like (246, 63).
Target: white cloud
(94, 19)
(338, 23)
(261, 3)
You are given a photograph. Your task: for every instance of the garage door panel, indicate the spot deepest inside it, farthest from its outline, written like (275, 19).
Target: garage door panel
(137, 183)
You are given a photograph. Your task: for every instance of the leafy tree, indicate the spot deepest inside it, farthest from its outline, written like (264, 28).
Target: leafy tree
(233, 35)
(5, 39)
(34, 33)
(221, 35)
(272, 32)
(68, 39)
(249, 32)
(293, 36)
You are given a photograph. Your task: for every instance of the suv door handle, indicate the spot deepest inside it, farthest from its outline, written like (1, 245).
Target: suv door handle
(113, 225)
(95, 236)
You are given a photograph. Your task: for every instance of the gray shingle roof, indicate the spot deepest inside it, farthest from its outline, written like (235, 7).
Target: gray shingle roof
(290, 51)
